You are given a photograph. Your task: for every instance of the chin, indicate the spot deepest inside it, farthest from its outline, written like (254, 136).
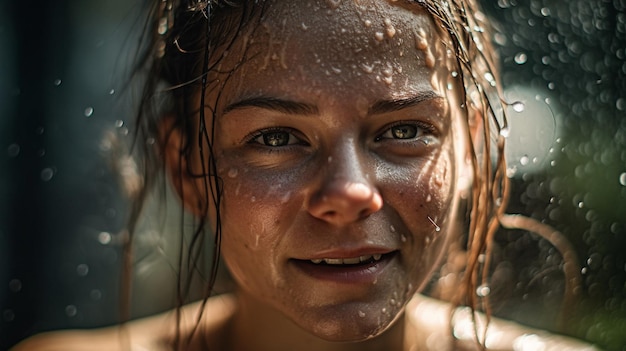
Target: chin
(354, 327)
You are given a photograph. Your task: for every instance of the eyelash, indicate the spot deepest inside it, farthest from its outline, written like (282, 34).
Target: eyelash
(423, 130)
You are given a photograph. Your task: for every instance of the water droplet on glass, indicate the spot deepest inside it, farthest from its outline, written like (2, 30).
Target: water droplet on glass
(82, 270)
(8, 315)
(56, 82)
(454, 74)
(119, 123)
(581, 204)
(622, 179)
(70, 310)
(521, 58)
(88, 111)
(518, 106)
(15, 285)
(483, 290)
(13, 150)
(104, 238)
(437, 228)
(505, 132)
(112, 91)
(46, 174)
(524, 160)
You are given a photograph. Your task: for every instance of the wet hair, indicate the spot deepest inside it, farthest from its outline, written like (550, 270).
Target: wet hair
(184, 40)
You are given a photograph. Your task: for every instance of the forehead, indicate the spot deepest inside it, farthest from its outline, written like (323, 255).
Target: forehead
(388, 47)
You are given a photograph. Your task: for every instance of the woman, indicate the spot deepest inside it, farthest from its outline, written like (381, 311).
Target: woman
(331, 147)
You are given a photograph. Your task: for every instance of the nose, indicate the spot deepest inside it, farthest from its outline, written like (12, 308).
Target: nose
(345, 194)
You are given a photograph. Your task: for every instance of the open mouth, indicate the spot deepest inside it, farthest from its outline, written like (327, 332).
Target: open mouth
(347, 270)
(366, 259)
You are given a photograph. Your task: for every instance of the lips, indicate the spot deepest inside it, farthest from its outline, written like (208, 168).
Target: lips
(348, 269)
(350, 261)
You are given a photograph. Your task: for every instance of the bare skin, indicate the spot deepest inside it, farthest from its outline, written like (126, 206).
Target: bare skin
(341, 143)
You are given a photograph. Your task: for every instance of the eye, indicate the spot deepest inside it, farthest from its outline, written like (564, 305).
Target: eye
(405, 131)
(276, 138)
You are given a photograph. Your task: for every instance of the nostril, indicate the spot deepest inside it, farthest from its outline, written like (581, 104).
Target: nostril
(330, 214)
(364, 213)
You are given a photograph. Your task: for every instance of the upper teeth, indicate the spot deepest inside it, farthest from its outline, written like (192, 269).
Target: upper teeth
(353, 260)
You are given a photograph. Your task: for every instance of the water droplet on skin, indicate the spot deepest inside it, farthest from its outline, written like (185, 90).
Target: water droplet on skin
(333, 4)
(304, 26)
(46, 174)
(392, 229)
(112, 91)
(285, 198)
(390, 30)
(56, 82)
(392, 302)
(384, 310)
(581, 204)
(379, 36)
(403, 238)
(88, 111)
(622, 179)
(232, 173)
(253, 199)
(368, 23)
(518, 106)
(429, 198)
(388, 80)
(361, 314)
(367, 68)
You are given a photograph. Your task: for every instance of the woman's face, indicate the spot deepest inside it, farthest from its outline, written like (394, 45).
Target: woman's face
(338, 143)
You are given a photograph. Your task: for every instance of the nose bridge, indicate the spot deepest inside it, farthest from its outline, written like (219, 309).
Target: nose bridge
(345, 192)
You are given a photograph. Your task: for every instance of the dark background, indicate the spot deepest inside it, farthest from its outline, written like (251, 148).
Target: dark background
(64, 108)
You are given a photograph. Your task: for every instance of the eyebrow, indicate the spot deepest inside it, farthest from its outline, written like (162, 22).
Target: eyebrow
(385, 106)
(270, 103)
(301, 108)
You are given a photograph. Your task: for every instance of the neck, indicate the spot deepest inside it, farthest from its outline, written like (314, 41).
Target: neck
(256, 326)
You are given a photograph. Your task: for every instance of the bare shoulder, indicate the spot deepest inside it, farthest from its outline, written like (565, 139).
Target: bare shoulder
(431, 321)
(155, 333)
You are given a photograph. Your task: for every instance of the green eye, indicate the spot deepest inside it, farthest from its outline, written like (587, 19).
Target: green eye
(276, 138)
(402, 132)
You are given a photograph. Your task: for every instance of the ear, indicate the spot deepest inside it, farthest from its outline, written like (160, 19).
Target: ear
(180, 166)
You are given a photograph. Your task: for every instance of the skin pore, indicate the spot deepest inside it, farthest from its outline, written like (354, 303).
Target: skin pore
(338, 138)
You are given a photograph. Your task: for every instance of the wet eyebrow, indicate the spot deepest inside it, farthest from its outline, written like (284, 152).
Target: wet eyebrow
(386, 106)
(275, 104)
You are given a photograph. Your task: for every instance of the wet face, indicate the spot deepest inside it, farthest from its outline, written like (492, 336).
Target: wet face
(337, 140)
